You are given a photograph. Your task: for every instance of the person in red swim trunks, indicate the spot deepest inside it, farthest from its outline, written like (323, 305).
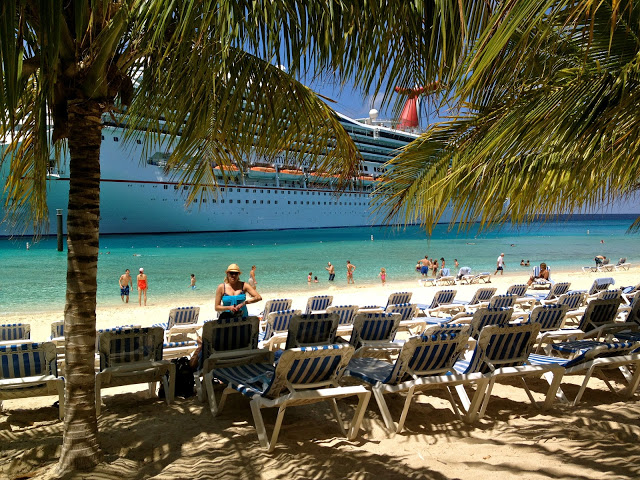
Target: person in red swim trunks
(143, 286)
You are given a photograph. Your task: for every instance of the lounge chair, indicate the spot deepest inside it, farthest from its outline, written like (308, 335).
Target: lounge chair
(485, 316)
(276, 328)
(445, 277)
(628, 292)
(276, 305)
(540, 282)
(409, 320)
(481, 296)
(398, 298)
(503, 351)
(318, 304)
(598, 357)
(133, 355)
(464, 271)
(30, 370)
(346, 314)
(507, 300)
(555, 291)
(373, 332)
(424, 363)
(600, 284)
(182, 321)
(551, 319)
(302, 376)
(441, 300)
(312, 329)
(227, 342)
(518, 290)
(14, 332)
(484, 277)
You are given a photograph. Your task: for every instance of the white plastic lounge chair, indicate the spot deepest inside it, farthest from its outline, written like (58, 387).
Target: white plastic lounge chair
(463, 272)
(14, 332)
(518, 290)
(503, 301)
(374, 333)
(551, 320)
(481, 297)
(318, 304)
(503, 351)
(133, 355)
(276, 328)
(628, 292)
(484, 277)
(182, 321)
(409, 320)
(445, 277)
(598, 357)
(622, 264)
(312, 329)
(485, 316)
(30, 370)
(540, 282)
(228, 342)
(276, 305)
(424, 363)
(302, 376)
(441, 300)
(600, 284)
(346, 314)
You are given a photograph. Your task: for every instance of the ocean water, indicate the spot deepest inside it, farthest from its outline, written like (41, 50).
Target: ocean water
(35, 279)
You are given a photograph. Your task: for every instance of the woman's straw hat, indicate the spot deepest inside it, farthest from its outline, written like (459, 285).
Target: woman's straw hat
(233, 268)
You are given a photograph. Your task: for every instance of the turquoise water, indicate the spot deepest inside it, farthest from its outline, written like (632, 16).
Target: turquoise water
(35, 279)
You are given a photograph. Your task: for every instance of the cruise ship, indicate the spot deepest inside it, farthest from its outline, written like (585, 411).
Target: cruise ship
(137, 196)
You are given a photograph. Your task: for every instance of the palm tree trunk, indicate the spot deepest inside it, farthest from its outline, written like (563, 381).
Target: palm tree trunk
(80, 449)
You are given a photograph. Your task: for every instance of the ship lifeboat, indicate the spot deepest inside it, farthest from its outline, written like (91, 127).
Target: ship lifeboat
(290, 174)
(225, 170)
(262, 172)
(318, 177)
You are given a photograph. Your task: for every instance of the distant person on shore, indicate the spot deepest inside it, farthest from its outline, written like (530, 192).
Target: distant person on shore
(544, 274)
(500, 264)
(601, 260)
(527, 264)
(522, 263)
(193, 281)
(231, 295)
(434, 267)
(252, 277)
(455, 263)
(125, 282)
(350, 269)
(332, 271)
(143, 286)
(315, 279)
(309, 277)
(441, 262)
(383, 275)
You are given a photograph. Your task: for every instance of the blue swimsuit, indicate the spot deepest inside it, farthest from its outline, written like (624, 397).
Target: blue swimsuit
(230, 300)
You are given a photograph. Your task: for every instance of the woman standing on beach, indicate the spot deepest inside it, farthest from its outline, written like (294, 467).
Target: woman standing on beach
(231, 295)
(383, 275)
(143, 286)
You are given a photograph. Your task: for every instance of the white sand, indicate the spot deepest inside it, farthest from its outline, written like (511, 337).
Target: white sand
(145, 438)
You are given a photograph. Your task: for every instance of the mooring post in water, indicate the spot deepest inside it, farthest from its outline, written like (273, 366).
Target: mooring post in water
(59, 218)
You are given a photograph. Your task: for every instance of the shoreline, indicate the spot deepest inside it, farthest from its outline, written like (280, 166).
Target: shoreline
(108, 315)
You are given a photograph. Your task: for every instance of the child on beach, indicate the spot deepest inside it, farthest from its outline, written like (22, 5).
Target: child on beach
(193, 281)
(383, 275)
(309, 277)
(315, 279)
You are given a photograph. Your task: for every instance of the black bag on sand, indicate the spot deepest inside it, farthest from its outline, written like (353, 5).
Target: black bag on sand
(185, 384)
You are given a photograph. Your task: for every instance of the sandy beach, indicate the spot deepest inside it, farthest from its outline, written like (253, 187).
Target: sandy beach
(142, 437)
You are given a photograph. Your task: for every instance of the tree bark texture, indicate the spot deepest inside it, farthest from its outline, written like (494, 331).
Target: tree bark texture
(80, 449)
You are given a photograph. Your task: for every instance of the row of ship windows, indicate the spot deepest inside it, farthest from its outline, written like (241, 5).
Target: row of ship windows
(230, 190)
(204, 200)
(117, 139)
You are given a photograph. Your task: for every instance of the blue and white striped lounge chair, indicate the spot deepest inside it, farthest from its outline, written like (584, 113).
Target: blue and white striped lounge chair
(130, 356)
(318, 304)
(597, 323)
(555, 291)
(445, 277)
(424, 363)
(518, 290)
(302, 376)
(600, 284)
(503, 351)
(541, 282)
(598, 357)
(276, 328)
(551, 320)
(374, 333)
(182, 321)
(502, 301)
(409, 320)
(312, 329)
(398, 298)
(30, 370)
(628, 292)
(481, 296)
(346, 314)
(275, 305)
(441, 300)
(14, 332)
(483, 317)
(228, 342)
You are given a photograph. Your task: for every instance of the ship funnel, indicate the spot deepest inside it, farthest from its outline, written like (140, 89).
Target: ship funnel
(373, 115)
